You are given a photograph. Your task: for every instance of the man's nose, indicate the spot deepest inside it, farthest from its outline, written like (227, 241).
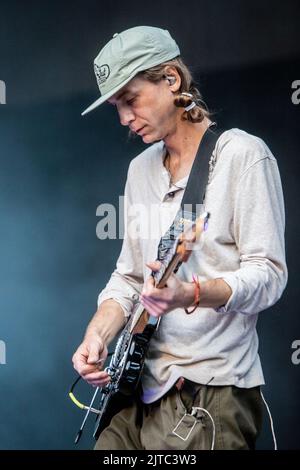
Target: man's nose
(126, 116)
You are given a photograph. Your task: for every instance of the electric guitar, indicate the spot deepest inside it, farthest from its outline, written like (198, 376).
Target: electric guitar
(127, 362)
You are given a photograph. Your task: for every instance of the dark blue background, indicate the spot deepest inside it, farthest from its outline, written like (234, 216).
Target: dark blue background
(57, 167)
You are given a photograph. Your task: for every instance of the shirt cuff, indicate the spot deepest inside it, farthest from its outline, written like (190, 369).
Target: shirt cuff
(233, 300)
(123, 303)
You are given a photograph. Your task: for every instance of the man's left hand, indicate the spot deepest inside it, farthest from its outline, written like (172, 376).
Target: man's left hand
(176, 293)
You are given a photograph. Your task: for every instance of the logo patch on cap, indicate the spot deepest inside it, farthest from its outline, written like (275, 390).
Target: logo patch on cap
(102, 73)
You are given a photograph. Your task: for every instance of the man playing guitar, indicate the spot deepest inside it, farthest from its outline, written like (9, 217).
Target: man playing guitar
(200, 386)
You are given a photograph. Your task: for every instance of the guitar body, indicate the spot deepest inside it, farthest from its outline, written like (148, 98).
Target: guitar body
(128, 374)
(135, 360)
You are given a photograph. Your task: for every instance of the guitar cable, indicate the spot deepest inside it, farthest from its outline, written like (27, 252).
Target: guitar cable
(194, 413)
(271, 420)
(77, 402)
(89, 408)
(94, 410)
(194, 409)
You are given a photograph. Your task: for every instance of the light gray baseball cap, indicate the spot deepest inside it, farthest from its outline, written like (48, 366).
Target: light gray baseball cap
(127, 53)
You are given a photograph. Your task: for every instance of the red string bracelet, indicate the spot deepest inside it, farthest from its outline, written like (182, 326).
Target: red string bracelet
(196, 295)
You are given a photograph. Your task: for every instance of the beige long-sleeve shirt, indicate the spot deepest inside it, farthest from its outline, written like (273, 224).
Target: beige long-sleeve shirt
(244, 245)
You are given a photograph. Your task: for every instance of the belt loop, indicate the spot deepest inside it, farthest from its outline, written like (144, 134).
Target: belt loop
(202, 396)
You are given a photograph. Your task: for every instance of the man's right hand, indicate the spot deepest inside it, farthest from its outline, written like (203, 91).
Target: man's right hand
(89, 359)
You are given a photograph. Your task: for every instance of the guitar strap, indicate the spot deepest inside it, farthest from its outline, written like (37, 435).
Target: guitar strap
(193, 198)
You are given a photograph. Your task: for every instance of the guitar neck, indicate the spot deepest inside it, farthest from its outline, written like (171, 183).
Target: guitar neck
(174, 257)
(168, 271)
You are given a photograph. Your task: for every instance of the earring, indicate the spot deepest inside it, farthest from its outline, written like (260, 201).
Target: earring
(171, 79)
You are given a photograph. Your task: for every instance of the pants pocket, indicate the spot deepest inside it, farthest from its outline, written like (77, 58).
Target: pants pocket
(239, 417)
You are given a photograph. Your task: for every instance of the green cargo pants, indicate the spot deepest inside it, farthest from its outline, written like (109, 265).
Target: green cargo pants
(196, 417)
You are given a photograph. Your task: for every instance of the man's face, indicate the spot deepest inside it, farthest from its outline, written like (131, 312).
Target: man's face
(147, 108)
